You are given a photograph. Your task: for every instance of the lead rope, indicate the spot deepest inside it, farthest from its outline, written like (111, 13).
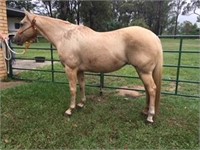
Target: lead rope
(10, 50)
(8, 53)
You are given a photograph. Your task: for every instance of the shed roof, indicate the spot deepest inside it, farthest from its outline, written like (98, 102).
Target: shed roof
(12, 12)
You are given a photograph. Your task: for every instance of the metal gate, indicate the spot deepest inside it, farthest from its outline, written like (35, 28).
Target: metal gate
(176, 82)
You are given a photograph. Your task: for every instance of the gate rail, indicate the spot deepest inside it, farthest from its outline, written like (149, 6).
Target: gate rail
(102, 76)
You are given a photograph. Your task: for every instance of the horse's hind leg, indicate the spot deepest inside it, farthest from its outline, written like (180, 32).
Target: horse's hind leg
(81, 81)
(150, 87)
(72, 76)
(146, 109)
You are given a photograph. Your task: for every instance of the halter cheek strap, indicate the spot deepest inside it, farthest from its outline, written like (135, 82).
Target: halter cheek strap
(31, 26)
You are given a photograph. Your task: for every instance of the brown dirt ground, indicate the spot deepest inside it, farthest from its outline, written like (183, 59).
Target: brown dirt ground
(28, 64)
(130, 93)
(11, 84)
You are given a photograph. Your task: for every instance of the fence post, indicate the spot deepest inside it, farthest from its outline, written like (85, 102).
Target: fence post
(178, 66)
(52, 63)
(101, 83)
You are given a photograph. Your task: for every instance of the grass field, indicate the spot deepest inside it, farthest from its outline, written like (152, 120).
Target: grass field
(32, 118)
(32, 114)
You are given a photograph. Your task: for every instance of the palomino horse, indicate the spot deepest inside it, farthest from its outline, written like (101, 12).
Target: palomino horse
(82, 49)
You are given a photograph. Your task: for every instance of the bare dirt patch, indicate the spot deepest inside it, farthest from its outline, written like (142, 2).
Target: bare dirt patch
(130, 93)
(28, 64)
(22, 64)
(10, 84)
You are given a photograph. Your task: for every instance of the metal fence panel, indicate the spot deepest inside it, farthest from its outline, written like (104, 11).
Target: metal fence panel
(101, 76)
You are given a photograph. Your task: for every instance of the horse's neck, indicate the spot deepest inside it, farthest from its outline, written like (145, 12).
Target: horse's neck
(51, 29)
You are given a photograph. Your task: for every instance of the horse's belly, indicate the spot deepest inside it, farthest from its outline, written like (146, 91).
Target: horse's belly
(102, 65)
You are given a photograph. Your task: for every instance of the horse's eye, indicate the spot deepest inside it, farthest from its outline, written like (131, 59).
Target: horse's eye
(21, 24)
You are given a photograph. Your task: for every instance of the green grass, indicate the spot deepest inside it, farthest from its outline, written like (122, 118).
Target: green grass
(32, 118)
(39, 49)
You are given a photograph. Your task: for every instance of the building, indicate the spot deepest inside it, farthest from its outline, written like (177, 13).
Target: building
(14, 16)
(9, 23)
(4, 30)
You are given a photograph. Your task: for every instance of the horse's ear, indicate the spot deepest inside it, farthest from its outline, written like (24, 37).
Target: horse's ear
(28, 14)
(31, 11)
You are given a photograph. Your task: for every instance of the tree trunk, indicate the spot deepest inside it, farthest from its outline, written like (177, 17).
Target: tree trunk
(176, 24)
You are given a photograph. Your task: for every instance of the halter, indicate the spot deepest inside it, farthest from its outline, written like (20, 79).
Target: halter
(31, 26)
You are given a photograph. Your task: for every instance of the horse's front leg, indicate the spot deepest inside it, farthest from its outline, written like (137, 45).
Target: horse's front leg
(72, 77)
(81, 81)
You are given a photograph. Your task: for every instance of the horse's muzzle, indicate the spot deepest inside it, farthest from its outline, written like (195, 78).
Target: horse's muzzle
(17, 40)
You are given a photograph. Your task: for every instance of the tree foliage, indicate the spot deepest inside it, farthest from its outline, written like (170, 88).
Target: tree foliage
(18, 4)
(156, 15)
(176, 8)
(191, 8)
(188, 28)
(96, 14)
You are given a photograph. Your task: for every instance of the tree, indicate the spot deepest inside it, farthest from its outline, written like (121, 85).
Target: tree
(96, 14)
(188, 28)
(156, 14)
(65, 10)
(176, 8)
(125, 12)
(191, 8)
(18, 4)
(151, 14)
(139, 22)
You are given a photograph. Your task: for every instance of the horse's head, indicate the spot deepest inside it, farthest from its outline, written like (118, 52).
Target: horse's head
(27, 31)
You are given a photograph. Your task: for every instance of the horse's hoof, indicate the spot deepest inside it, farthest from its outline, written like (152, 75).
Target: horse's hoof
(150, 119)
(149, 123)
(80, 105)
(68, 113)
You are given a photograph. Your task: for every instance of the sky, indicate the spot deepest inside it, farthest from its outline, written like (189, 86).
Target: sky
(192, 18)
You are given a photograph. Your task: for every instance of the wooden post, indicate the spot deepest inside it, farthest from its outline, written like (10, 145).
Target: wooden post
(4, 30)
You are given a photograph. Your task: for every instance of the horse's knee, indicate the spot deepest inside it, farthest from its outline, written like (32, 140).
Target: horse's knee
(152, 91)
(72, 90)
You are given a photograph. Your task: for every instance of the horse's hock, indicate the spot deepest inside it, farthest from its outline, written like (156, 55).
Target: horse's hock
(4, 30)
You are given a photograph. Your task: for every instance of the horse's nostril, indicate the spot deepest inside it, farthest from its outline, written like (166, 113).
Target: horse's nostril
(14, 40)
